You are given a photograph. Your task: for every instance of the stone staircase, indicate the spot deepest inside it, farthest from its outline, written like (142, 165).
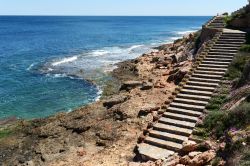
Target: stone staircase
(216, 22)
(179, 119)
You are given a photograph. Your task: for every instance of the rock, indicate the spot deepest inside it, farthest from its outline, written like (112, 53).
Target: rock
(222, 146)
(148, 108)
(30, 163)
(203, 158)
(115, 100)
(189, 146)
(207, 145)
(185, 160)
(177, 77)
(128, 85)
(193, 154)
(81, 152)
(141, 138)
(179, 57)
(147, 86)
(171, 161)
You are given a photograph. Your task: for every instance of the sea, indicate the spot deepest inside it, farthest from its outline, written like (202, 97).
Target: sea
(48, 63)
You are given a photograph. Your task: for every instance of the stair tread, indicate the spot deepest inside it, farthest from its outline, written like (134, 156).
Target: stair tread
(212, 65)
(210, 72)
(202, 83)
(154, 152)
(189, 112)
(199, 87)
(218, 59)
(187, 105)
(169, 135)
(215, 62)
(206, 68)
(180, 116)
(205, 79)
(177, 122)
(173, 128)
(197, 91)
(194, 96)
(189, 100)
(164, 142)
(207, 75)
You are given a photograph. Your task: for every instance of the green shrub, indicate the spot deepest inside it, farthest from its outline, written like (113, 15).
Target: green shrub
(236, 67)
(221, 121)
(245, 159)
(4, 133)
(245, 48)
(245, 76)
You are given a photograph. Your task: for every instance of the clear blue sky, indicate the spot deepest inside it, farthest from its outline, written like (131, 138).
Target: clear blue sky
(118, 7)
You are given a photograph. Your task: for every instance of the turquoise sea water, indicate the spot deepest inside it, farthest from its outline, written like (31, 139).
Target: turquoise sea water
(46, 60)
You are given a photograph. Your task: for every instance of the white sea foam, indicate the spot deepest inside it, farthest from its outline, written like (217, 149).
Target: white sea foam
(185, 32)
(134, 47)
(99, 52)
(174, 38)
(65, 60)
(30, 67)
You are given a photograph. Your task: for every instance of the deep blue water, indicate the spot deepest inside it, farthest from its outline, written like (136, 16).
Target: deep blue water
(44, 60)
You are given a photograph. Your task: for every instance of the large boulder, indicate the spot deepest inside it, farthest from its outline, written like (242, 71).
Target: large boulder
(128, 85)
(203, 158)
(177, 77)
(118, 99)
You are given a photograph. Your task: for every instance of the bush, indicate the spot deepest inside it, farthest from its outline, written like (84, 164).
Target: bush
(245, 48)
(4, 133)
(237, 66)
(221, 121)
(245, 159)
(245, 76)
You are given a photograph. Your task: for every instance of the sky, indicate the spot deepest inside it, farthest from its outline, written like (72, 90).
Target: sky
(119, 7)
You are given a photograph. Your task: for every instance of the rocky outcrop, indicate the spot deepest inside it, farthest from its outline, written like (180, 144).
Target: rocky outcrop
(115, 100)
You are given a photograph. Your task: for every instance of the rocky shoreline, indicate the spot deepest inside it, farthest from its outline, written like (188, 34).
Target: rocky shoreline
(105, 132)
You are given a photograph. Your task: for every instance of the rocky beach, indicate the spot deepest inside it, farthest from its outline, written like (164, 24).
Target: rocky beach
(105, 132)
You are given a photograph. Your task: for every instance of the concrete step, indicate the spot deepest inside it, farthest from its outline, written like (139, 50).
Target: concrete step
(227, 42)
(220, 56)
(178, 116)
(224, 50)
(232, 37)
(215, 62)
(196, 92)
(168, 136)
(196, 83)
(207, 76)
(232, 40)
(227, 45)
(194, 97)
(178, 123)
(187, 106)
(213, 66)
(204, 80)
(221, 53)
(219, 59)
(189, 101)
(172, 129)
(201, 88)
(234, 34)
(212, 69)
(169, 145)
(209, 72)
(153, 152)
(184, 111)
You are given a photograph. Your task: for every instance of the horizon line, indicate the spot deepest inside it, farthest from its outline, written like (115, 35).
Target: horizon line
(108, 15)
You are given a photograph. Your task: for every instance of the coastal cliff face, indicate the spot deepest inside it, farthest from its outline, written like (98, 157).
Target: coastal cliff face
(105, 132)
